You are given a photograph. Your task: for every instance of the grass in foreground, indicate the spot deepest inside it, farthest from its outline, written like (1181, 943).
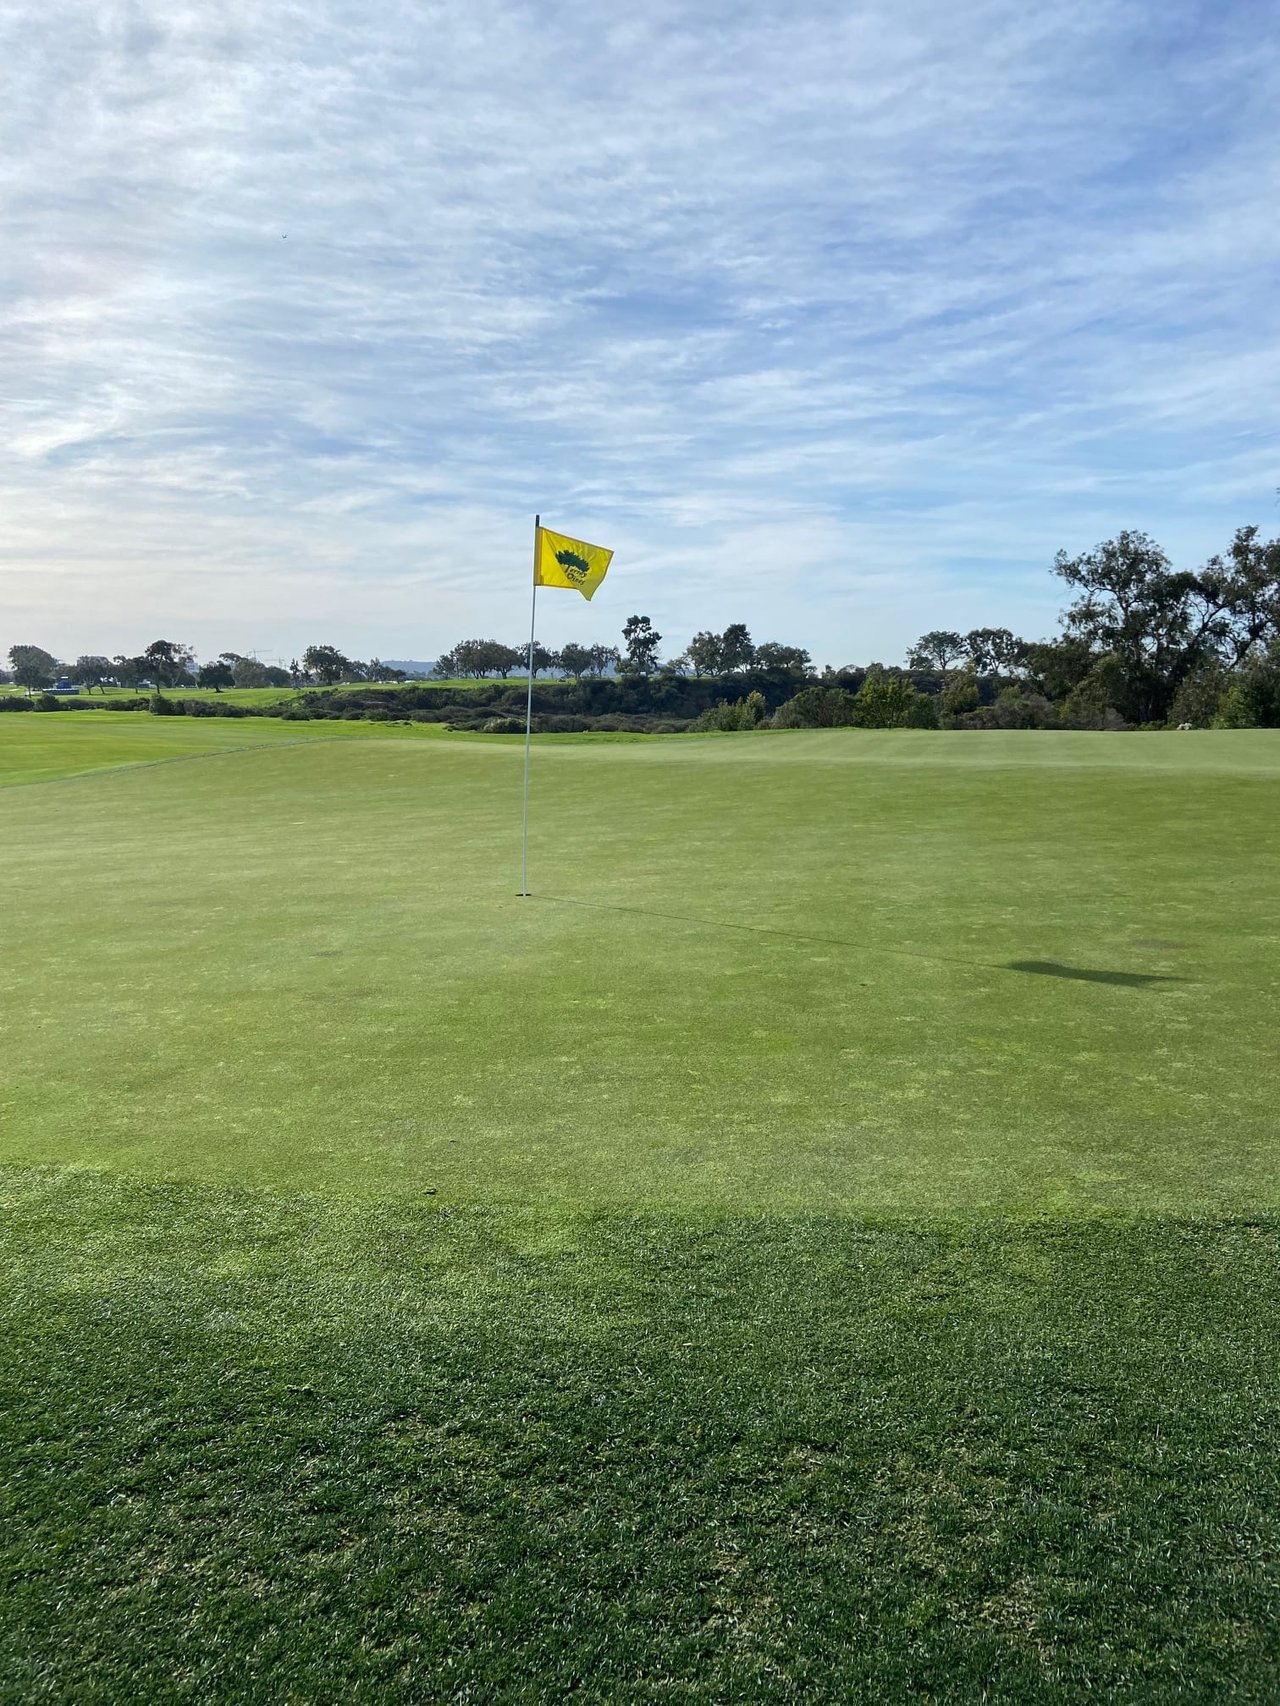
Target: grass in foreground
(823, 1246)
(263, 1447)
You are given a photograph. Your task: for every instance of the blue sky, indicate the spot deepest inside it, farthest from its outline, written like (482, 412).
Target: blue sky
(837, 320)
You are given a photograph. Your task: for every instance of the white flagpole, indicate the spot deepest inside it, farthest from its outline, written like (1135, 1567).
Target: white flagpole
(528, 716)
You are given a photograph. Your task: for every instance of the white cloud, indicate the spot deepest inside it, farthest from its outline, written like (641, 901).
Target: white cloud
(807, 312)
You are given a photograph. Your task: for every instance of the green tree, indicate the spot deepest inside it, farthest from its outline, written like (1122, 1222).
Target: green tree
(886, 701)
(32, 666)
(92, 671)
(736, 649)
(937, 650)
(1161, 623)
(542, 659)
(1052, 668)
(479, 658)
(277, 677)
(1253, 699)
(993, 651)
(169, 663)
(1199, 699)
(604, 658)
(960, 698)
(704, 653)
(502, 659)
(575, 660)
(1246, 588)
(129, 671)
(216, 675)
(326, 663)
(641, 641)
(794, 660)
(248, 672)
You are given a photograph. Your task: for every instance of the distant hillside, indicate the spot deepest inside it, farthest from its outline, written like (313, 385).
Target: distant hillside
(413, 667)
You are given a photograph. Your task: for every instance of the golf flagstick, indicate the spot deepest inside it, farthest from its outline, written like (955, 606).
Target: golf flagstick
(528, 716)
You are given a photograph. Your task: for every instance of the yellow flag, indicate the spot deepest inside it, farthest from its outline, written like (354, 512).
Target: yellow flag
(558, 561)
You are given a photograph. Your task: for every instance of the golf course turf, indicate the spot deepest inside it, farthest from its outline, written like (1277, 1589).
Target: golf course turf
(822, 1245)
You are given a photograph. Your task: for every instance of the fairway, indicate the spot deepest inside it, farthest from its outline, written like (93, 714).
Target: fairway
(823, 1240)
(864, 971)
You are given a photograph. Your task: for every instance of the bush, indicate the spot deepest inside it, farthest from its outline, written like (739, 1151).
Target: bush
(1253, 699)
(47, 702)
(729, 717)
(1200, 697)
(15, 702)
(562, 725)
(138, 704)
(503, 726)
(159, 706)
(1014, 708)
(816, 708)
(887, 701)
(960, 699)
(211, 708)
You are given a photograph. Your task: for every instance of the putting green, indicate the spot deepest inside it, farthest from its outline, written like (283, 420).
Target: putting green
(840, 970)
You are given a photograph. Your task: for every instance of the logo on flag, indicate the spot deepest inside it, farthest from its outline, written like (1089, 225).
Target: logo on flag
(571, 563)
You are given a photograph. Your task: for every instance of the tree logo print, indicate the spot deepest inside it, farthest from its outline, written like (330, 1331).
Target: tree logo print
(575, 567)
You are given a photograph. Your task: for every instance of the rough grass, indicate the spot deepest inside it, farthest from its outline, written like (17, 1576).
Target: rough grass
(821, 1246)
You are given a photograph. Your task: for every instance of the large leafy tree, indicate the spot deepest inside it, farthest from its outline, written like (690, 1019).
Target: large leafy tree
(575, 660)
(479, 658)
(736, 649)
(793, 659)
(169, 663)
(216, 675)
(92, 671)
(640, 646)
(1159, 623)
(32, 666)
(705, 653)
(130, 671)
(938, 649)
(603, 658)
(993, 651)
(326, 663)
(248, 672)
(1246, 587)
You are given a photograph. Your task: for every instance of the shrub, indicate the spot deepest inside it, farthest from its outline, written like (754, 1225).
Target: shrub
(887, 701)
(138, 704)
(1253, 699)
(47, 702)
(159, 706)
(1200, 696)
(960, 699)
(1015, 708)
(564, 725)
(212, 708)
(816, 708)
(15, 702)
(503, 726)
(726, 717)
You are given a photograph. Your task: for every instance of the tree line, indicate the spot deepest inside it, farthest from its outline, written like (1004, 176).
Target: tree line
(167, 664)
(1141, 643)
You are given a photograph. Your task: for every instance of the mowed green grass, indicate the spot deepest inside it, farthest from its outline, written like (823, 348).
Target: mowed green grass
(822, 1245)
(51, 746)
